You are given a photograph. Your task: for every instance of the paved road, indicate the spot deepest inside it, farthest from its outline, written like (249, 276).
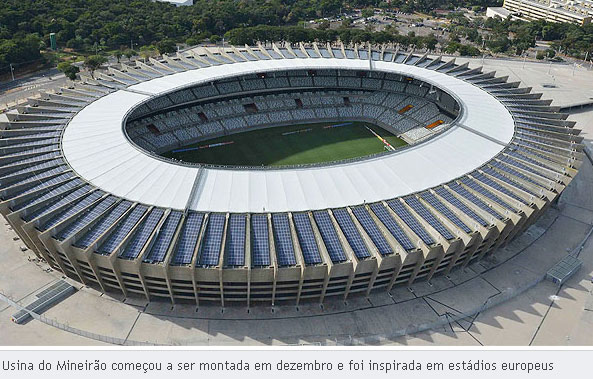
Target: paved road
(30, 88)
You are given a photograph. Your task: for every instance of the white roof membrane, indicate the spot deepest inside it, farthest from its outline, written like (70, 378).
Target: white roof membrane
(97, 148)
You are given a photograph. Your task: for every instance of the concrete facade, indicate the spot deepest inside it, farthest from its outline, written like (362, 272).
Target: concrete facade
(494, 204)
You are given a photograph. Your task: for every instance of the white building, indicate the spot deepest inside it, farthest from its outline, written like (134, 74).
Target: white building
(179, 3)
(497, 12)
(574, 11)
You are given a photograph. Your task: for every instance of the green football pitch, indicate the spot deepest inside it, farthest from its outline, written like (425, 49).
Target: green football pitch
(289, 145)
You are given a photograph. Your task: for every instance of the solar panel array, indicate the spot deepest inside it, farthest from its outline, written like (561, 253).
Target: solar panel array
(86, 218)
(46, 184)
(486, 180)
(351, 233)
(36, 178)
(478, 188)
(515, 161)
(507, 180)
(260, 242)
(186, 244)
(511, 181)
(329, 236)
(306, 238)
(122, 230)
(211, 244)
(514, 172)
(56, 203)
(463, 192)
(411, 221)
(38, 158)
(283, 240)
(522, 154)
(428, 217)
(142, 234)
(30, 169)
(164, 238)
(47, 195)
(235, 240)
(383, 215)
(79, 206)
(442, 209)
(105, 223)
(372, 230)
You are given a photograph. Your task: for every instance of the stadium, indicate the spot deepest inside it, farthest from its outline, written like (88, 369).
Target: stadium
(280, 173)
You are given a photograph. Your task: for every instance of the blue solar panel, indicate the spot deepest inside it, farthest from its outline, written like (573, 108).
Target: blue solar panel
(56, 203)
(442, 209)
(516, 173)
(38, 158)
(32, 151)
(463, 192)
(163, 239)
(260, 242)
(186, 244)
(31, 169)
(329, 236)
(383, 215)
(484, 179)
(210, 250)
(351, 233)
(312, 53)
(372, 230)
(411, 221)
(306, 238)
(40, 187)
(283, 240)
(98, 229)
(523, 153)
(506, 179)
(122, 230)
(515, 161)
(80, 205)
(56, 191)
(142, 234)
(85, 219)
(235, 240)
(36, 178)
(429, 217)
(445, 194)
(478, 188)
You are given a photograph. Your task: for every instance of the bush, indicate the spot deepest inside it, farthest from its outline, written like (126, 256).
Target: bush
(68, 69)
(93, 62)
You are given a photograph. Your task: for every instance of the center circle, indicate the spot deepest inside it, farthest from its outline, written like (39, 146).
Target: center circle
(291, 118)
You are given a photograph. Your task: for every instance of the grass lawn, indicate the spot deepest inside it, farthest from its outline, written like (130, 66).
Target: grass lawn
(290, 145)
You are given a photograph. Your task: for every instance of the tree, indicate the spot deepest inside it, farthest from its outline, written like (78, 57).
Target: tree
(148, 52)
(118, 54)
(431, 41)
(166, 46)
(129, 53)
(324, 25)
(93, 62)
(68, 69)
(368, 12)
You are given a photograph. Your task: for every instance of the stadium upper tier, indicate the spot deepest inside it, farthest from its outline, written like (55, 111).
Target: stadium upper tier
(82, 183)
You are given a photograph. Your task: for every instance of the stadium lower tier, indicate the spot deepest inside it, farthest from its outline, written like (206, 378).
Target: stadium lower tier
(403, 106)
